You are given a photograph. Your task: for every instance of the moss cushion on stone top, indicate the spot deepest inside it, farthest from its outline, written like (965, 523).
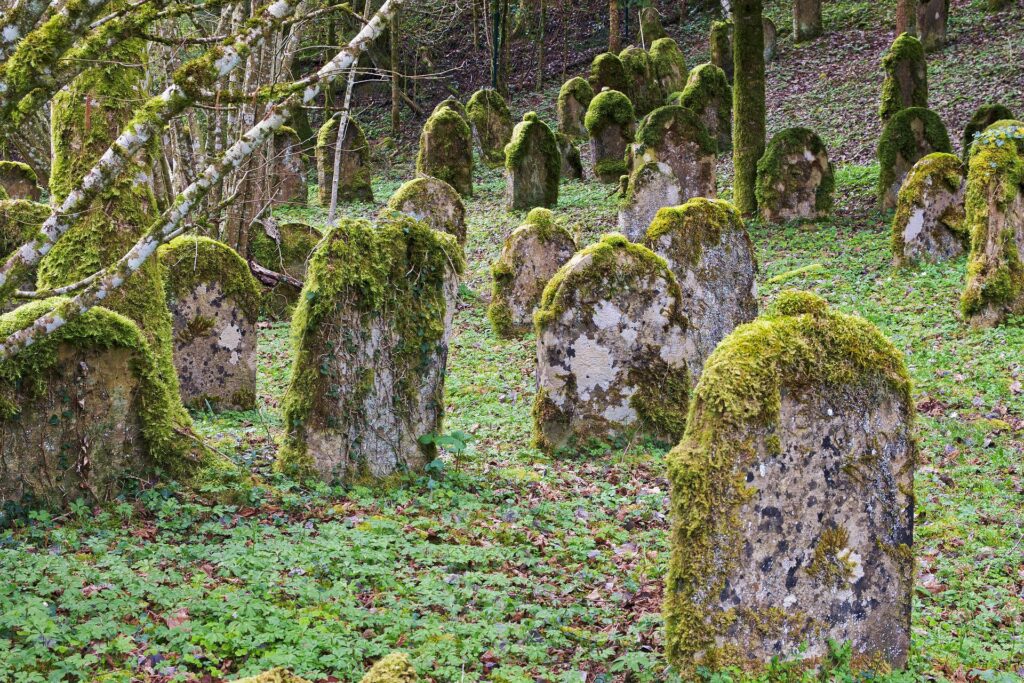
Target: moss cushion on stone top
(707, 87)
(984, 116)
(610, 107)
(573, 100)
(532, 184)
(190, 260)
(669, 65)
(683, 122)
(446, 150)
(909, 135)
(433, 201)
(906, 77)
(453, 104)
(607, 71)
(784, 170)
(642, 84)
(491, 119)
(936, 173)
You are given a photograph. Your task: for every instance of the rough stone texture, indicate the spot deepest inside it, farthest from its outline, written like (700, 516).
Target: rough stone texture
(215, 304)
(611, 350)
(355, 163)
(721, 47)
(573, 100)
(19, 222)
(454, 105)
(929, 222)
(446, 150)
(533, 164)
(606, 71)
(771, 40)
(531, 255)
(289, 171)
(283, 248)
(572, 164)
(651, 186)
(370, 338)
(650, 26)
(932, 16)
(983, 117)
(669, 65)
(611, 123)
(643, 88)
(906, 77)
(707, 248)
(676, 136)
(19, 181)
(707, 94)
(908, 136)
(434, 202)
(491, 120)
(794, 178)
(792, 497)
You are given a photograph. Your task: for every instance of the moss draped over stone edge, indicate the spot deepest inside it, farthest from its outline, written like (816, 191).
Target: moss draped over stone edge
(770, 167)
(190, 260)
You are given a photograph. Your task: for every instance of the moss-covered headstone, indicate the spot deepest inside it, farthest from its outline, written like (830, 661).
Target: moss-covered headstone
(573, 100)
(20, 220)
(19, 181)
(355, 174)
(792, 497)
(454, 105)
(532, 254)
(643, 88)
(288, 174)
(394, 668)
(908, 136)
(607, 71)
(929, 222)
(721, 47)
(283, 248)
(706, 246)
(491, 120)
(533, 163)
(669, 66)
(434, 202)
(995, 222)
(676, 136)
(983, 117)
(708, 94)
(572, 164)
(650, 26)
(906, 77)
(794, 177)
(771, 39)
(610, 123)
(651, 186)
(370, 344)
(215, 304)
(446, 150)
(932, 17)
(611, 350)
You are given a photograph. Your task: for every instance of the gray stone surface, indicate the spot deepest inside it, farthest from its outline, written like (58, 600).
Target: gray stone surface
(651, 187)
(929, 223)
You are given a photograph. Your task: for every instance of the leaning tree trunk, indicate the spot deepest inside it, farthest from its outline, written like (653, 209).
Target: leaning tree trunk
(806, 20)
(932, 17)
(748, 100)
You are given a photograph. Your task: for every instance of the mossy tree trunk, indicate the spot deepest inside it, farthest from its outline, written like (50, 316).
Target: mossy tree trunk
(614, 42)
(748, 94)
(906, 17)
(542, 28)
(806, 20)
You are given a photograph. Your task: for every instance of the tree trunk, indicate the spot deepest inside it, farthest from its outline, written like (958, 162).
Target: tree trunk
(806, 20)
(540, 43)
(396, 119)
(906, 17)
(614, 44)
(932, 17)
(748, 101)
(496, 44)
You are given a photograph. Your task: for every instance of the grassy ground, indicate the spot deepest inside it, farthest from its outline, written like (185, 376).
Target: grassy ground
(502, 564)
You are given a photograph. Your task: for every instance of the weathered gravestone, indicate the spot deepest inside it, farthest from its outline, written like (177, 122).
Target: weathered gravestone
(610, 123)
(19, 223)
(929, 222)
(709, 251)
(932, 17)
(370, 339)
(676, 136)
(721, 47)
(650, 26)
(82, 411)
(651, 186)
(643, 88)
(794, 178)
(983, 117)
(531, 256)
(491, 120)
(707, 94)
(995, 222)
(454, 105)
(215, 304)
(771, 39)
(611, 350)
(573, 100)
(908, 136)
(572, 164)
(288, 175)
(906, 77)
(434, 202)
(446, 150)
(607, 71)
(792, 497)
(533, 163)
(355, 174)
(19, 181)
(282, 248)
(669, 66)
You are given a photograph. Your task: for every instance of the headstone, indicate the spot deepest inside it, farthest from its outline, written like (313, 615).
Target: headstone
(355, 174)
(610, 123)
(644, 90)
(792, 497)
(708, 94)
(573, 100)
(533, 163)
(20, 220)
(289, 169)
(794, 178)
(371, 335)
(908, 136)
(283, 248)
(572, 165)
(82, 410)
(531, 256)
(771, 40)
(995, 222)
(651, 186)
(446, 150)
(19, 180)
(434, 202)
(215, 304)
(906, 77)
(676, 136)
(929, 223)
(454, 105)
(932, 16)
(611, 351)
(706, 246)
(983, 117)
(721, 47)
(650, 26)
(492, 124)
(606, 71)
(669, 66)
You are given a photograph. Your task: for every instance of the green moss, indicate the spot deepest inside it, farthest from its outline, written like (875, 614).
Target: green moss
(939, 167)
(446, 150)
(708, 87)
(831, 563)
(610, 107)
(899, 140)
(273, 676)
(606, 71)
(684, 123)
(579, 90)
(425, 194)
(720, 41)
(642, 86)
(669, 65)
(488, 114)
(702, 220)
(906, 52)
(367, 268)
(356, 187)
(650, 26)
(530, 137)
(190, 260)
(772, 168)
(395, 668)
(19, 170)
(454, 105)
(985, 116)
(797, 343)
(748, 101)
(20, 220)
(1002, 132)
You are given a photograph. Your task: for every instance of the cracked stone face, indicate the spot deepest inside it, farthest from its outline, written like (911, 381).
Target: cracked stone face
(214, 349)
(797, 186)
(82, 437)
(652, 187)
(928, 233)
(533, 258)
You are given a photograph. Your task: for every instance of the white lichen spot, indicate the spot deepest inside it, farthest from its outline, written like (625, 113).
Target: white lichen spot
(231, 338)
(11, 34)
(607, 315)
(915, 224)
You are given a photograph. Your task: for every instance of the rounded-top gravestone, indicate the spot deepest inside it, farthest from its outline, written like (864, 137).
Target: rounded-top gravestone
(708, 94)
(572, 164)
(669, 66)
(607, 71)
(721, 47)
(491, 120)
(355, 174)
(288, 169)
(446, 150)
(610, 123)
(908, 136)
(573, 100)
(794, 177)
(983, 117)
(676, 136)
(643, 88)
(283, 248)
(19, 181)
(651, 186)
(533, 163)
(929, 223)
(651, 29)
(906, 77)
(434, 202)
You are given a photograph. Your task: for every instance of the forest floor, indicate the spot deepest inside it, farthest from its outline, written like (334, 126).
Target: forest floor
(502, 564)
